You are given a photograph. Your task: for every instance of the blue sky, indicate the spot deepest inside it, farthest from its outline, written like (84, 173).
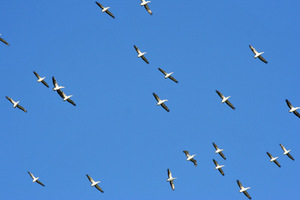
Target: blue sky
(116, 133)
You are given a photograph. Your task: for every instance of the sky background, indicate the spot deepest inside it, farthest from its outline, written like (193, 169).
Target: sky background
(116, 133)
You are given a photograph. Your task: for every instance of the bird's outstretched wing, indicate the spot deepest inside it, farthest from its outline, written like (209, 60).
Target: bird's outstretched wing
(173, 79)
(288, 103)
(54, 81)
(99, 188)
(239, 183)
(296, 113)
(100, 5)
(39, 182)
(216, 163)
(148, 9)
(110, 14)
(253, 49)
(61, 93)
(262, 59)
(90, 178)
(221, 171)
(165, 107)
(194, 161)
(156, 97)
(162, 71)
(71, 102)
(145, 59)
(44, 82)
(20, 107)
(10, 99)
(216, 147)
(220, 94)
(2, 40)
(169, 173)
(137, 49)
(282, 147)
(172, 185)
(37, 75)
(269, 155)
(31, 175)
(230, 104)
(277, 163)
(247, 194)
(290, 156)
(186, 153)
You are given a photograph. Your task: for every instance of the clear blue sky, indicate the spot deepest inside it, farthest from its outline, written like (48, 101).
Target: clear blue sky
(116, 133)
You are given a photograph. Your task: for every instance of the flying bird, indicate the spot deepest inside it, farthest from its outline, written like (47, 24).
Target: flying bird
(190, 158)
(225, 99)
(171, 179)
(244, 190)
(293, 109)
(168, 75)
(257, 54)
(273, 159)
(2, 40)
(219, 151)
(145, 4)
(286, 152)
(56, 86)
(140, 54)
(35, 179)
(105, 9)
(219, 167)
(65, 97)
(40, 79)
(161, 102)
(94, 183)
(16, 104)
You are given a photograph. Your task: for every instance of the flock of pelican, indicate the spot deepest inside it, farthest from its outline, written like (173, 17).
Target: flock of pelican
(160, 102)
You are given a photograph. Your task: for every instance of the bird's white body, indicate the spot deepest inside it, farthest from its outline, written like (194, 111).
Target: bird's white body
(258, 54)
(171, 179)
(141, 54)
(161, 102)
(219, 166)
(225, 99)
(190, 157)
(41, 79)
(273, 159)
(67, 97)
(145, 2)
(16, 103)
(293, 109)
(244, 189)
(219, 150)
(168, 75)
(105, 9)
(35, 179)
(95, 183)
(58, 88)
(286, 152)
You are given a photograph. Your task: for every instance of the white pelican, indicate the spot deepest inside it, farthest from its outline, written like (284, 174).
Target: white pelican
(140, 54)
(171, 179)
(65, 97)
(219, 167)
(244, 190)
(40, 79)
(293, 109)
(219, 151)
(190, 158)
(16, 104)
(225, 99)
(286, 152)
(257, 54)
(56, 86)
(161, 102)
(145, 4)
(2, 40)
(105, 9)
(94, 183)
(273, 159)
(168, 75)
(35, 179)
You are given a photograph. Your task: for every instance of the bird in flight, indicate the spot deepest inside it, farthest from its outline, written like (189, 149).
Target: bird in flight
(105, 9)
(219, 151)
(161, 102)
(56, 86)
(145, 4)
(168, 75)
(40, 79)
(257, 54)
(190, 158)
(2, 40)
(94, 183)
(65, 97)
(286, 152)
(244, 190)
(16, 104)
(219, 167)
(35, 179)
(171, 179)
(273, 159)
(292, 109)
(140, 54)
(225, 99)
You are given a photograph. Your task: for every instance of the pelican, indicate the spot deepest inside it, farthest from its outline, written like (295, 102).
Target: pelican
(140, 54)
(225, 99)
(16, 104)
(161, 102)
(145, 4)
(56, 86)
(257, 54)
(94, 183)
(171, 179)
(242, 189)
(2, 40)
(293, 109)
(168, 75)
(273, 159)
(40, 79)
(190, 158)
(286, 152)
(65, 97)
(219, 167)
(219, 151)
(35, 179)
(105, 9)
